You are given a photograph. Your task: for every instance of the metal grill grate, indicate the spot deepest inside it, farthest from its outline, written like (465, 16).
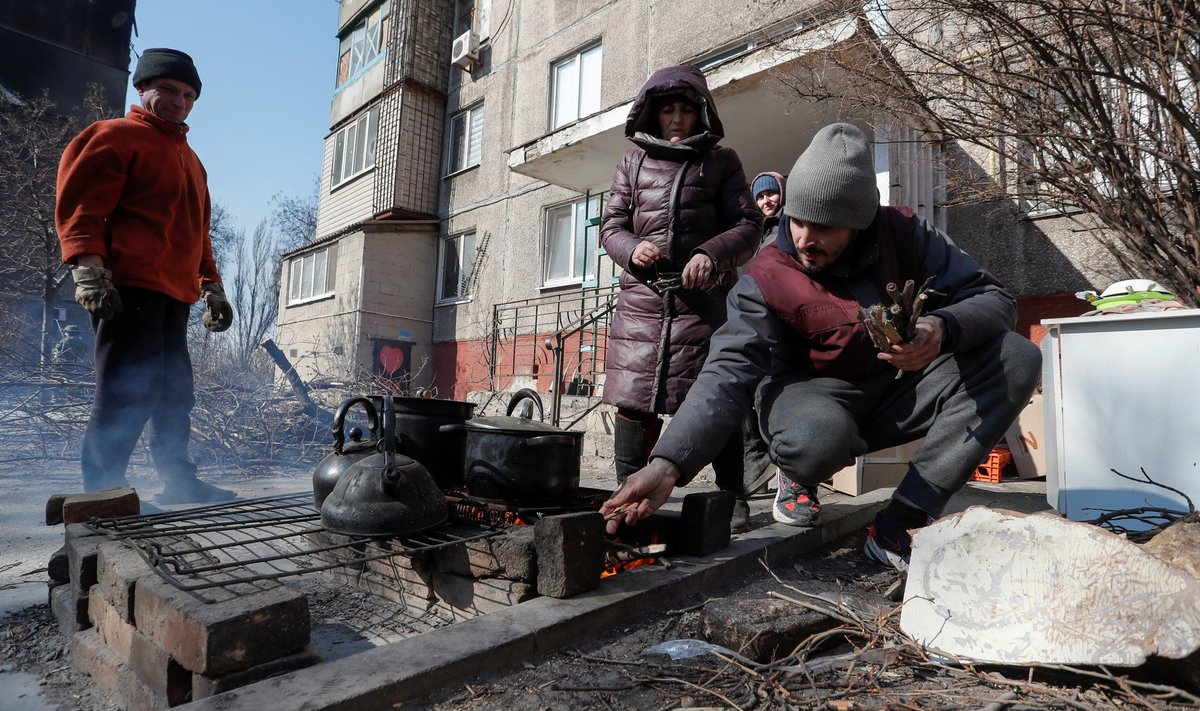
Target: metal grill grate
(235, 549)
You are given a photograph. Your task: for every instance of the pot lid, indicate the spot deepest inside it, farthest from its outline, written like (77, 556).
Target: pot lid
(516, 425)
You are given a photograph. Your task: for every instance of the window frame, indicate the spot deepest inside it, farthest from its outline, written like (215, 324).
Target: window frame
(458, 161)
(295, 284)
(584, 236)
(346, 141)
(461, 295)
(582, 108)
(372, 26)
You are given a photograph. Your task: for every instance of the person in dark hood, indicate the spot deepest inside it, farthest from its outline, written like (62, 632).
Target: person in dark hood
(793, 344)
(679, 221)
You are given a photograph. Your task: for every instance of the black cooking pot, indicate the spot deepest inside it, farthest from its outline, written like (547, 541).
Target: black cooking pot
(517, 458)
(419, 434)
(344, 454)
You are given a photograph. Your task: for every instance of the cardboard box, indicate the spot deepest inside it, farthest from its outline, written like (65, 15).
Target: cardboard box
(1027, 440)
(876, 470)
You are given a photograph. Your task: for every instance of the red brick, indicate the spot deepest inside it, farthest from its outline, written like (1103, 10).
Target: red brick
(92, 657)
(466, 597)
(81, 545)
(54, 506)
(118, 567)
(509, 555)
(108, 503)
(158, 671)
(114, 631)
(214, 638)
(203, 686)
(70, 611)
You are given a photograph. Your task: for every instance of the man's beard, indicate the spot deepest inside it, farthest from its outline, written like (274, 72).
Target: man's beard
(813, 269)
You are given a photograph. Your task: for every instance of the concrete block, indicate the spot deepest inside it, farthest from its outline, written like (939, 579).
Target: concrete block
(215, 638)
(704, 523)
(54, 506)
(114, 631)
(763, 629)
(69, 609)
(118, 568)
(510, 555)
(81, 547)
(59, 566)
(158, 671)
(570, 553)
(108, 503)
(92, 657)
(203, 686)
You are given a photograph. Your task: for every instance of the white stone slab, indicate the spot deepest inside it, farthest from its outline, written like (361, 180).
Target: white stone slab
(1000, 586)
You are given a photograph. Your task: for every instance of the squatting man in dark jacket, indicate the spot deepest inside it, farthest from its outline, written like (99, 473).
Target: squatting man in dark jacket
(133, 218)
(825, 394)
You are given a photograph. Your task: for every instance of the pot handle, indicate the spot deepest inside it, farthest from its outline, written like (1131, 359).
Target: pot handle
(339, 420)
(453, 428)
(548, 440)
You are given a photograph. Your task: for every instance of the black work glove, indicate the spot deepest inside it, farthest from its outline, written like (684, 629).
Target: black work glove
(218, 314)
(95, 292)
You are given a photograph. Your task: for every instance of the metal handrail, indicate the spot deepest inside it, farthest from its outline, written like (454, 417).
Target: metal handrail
(555, 345)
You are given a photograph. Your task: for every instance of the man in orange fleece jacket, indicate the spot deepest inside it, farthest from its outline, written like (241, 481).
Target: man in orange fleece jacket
(133, 218)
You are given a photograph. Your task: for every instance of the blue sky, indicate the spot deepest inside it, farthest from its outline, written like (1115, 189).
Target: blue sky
(268, 70)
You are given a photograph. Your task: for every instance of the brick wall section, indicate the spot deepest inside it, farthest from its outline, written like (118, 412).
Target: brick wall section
(221, 637)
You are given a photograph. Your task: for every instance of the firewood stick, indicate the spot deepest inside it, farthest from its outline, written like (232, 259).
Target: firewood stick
(890, 331)
(899, 319)
(918, 307)
(893, 292)
(873, 331)
(908, 290)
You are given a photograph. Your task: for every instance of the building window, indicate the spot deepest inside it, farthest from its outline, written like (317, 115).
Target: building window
(354, 147)
(310, 276)
(455, 264)
(473, 16)
(363, 43)
(575, 86)
(569, 247)
(466, 139)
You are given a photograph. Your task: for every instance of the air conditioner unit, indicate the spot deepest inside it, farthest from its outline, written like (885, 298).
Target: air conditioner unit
(465, 51)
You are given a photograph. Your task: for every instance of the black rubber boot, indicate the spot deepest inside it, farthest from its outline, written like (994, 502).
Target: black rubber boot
(629, 447)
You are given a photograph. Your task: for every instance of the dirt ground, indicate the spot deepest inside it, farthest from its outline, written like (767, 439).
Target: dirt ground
(609, 672)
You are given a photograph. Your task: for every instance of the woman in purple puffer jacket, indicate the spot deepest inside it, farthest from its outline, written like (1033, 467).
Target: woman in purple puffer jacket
(679, 220)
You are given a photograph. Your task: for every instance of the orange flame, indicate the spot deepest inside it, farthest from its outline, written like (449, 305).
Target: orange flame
(612, 569)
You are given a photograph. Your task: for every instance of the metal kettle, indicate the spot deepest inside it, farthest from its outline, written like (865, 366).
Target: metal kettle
(335, 464)
(384, 494)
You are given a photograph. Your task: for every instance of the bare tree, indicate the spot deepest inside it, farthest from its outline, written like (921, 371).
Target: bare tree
(32, 138)
(295, 217)
(223, 232)
(253, 289)
(1083, 107)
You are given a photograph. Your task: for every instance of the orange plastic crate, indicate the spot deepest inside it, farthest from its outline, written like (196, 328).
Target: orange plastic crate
(992, 468)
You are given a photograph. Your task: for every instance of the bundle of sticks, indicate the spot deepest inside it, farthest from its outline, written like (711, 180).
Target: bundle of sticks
(891, 325)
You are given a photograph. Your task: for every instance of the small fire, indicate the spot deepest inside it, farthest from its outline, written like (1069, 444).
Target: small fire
(619, 566)
(629, 558)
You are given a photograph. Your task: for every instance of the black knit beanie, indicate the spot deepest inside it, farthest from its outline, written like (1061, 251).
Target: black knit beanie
(833, 181)
(169, 63)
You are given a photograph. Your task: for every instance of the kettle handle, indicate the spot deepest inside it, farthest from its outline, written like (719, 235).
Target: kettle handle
(339, 420)
(453, 428)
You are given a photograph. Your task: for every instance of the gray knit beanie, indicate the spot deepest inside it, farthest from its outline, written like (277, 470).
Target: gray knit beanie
(169, 63)
(833, 181)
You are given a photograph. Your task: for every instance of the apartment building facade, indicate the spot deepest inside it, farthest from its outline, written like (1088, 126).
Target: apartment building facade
(472, 144)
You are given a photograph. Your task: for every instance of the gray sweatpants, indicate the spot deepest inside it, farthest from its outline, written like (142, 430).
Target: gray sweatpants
(962, 404)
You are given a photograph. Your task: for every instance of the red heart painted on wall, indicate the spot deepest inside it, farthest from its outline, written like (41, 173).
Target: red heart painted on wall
(391, 359)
